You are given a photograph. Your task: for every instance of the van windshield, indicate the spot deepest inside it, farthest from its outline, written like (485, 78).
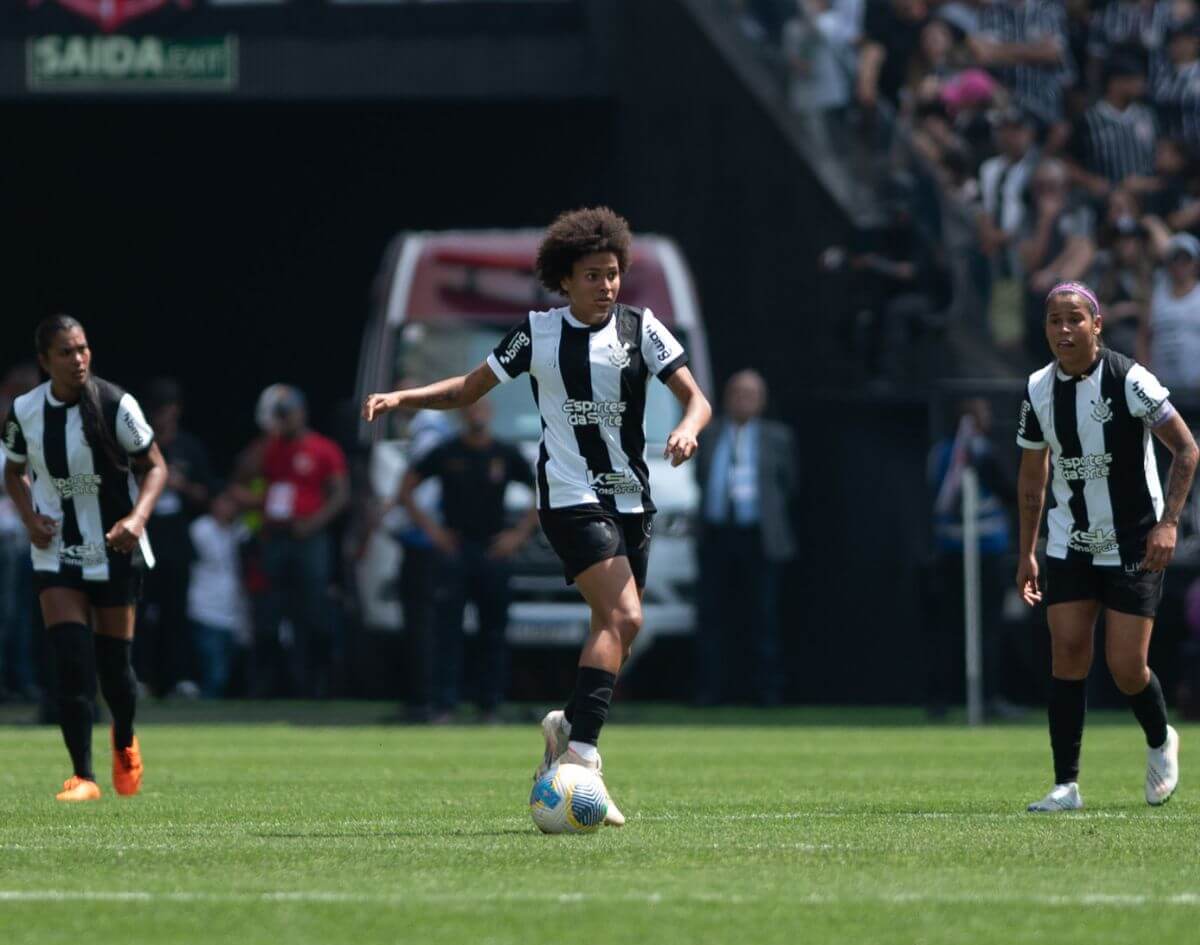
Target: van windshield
(427, 351)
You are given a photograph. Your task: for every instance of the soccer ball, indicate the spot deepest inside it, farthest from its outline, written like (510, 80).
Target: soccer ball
(568, 799)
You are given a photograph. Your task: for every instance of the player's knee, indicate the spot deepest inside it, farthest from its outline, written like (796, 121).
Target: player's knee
(1130, 673)
(1071, 658)
(627, 622)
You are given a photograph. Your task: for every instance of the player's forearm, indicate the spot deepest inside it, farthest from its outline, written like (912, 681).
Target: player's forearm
(153, 482)
(447, 394)
(17, 487)
(1031, 496)
(1179, 482)
(696, 411)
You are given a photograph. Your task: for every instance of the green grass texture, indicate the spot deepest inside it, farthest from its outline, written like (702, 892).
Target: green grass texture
(321, 824)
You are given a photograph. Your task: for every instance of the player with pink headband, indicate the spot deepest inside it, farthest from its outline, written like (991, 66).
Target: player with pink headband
(1085, 425)
(1079, 289)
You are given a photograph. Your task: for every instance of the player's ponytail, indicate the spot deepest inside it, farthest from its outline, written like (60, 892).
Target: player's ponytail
(90, 415)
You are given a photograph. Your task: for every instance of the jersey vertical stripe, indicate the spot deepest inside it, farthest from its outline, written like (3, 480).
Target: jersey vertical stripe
(574, 355)
(54, 451)
(87, 502)
(633, 392)
(1066, 428)
(543, 484)
(1132, 499)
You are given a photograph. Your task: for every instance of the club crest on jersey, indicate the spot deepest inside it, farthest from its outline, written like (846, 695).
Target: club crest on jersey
(618, 355)
(1102, 410)
(109, 15)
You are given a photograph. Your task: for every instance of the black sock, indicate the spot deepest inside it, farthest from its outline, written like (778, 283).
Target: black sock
(75, 662)
(119, 685)
(1151, 710)
(1068, 705)
(569, 709)
(593, 693)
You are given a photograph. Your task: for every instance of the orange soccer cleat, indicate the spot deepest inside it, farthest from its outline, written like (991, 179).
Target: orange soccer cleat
(127, 768)
(76, 788)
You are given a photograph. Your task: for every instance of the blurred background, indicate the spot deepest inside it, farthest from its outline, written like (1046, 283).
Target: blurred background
(263, 209)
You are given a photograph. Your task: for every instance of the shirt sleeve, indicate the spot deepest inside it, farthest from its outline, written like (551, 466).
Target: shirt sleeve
(513, 355)
(133, 432)
(1029, 428)
(1146, 397)
(662, 352)
(14, 438)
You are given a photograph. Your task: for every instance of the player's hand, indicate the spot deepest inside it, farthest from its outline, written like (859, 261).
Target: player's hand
(681, 446)
(1027, 581)
(377, 404)
(1160, 546)
(42, 529)
(123, 537)
(506, 544)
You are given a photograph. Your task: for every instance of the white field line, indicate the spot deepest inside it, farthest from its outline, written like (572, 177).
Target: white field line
(307, 897)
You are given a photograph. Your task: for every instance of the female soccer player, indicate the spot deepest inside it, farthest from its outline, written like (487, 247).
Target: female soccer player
(1089, 415)
(589, 363)
(82, 441)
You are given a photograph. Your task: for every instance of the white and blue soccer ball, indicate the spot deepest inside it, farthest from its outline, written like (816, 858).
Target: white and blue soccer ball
(568, 799)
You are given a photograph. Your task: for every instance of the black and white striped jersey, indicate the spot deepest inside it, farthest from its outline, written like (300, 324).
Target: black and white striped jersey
(1104, 477)
(1116, 144)
(1177, 99)
(1036, 88)
(589, 383)
(78, 486)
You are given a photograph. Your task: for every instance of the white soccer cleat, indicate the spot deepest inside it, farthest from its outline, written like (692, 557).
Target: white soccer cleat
(555, 733)
(1062, 797)
(1162, 770)
(614, 817)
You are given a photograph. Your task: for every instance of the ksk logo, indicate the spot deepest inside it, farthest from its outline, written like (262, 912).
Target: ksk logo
(109, 15)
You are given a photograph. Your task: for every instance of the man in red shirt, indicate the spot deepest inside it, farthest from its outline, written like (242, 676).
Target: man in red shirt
(307, 487)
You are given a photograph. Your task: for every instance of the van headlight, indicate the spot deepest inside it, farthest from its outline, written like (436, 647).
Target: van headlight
(675, 524)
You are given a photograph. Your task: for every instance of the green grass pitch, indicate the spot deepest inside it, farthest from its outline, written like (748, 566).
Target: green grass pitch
(263, 824)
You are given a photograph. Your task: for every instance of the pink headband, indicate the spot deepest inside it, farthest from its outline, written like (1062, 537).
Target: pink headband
(1078, 288)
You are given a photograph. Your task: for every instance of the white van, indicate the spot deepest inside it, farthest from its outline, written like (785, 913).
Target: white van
(442, 302)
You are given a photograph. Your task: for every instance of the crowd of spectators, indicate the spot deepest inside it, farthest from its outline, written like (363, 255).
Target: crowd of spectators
(1066, 133)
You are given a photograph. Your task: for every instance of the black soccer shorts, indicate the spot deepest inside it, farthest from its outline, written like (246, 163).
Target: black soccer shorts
(123, 588)
(582, 535)
(1127, 592)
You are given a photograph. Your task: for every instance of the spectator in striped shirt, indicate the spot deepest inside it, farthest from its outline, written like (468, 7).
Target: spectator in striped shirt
(1024, 44)
(1114, 139)
(1122, 25)
(1177, 87)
